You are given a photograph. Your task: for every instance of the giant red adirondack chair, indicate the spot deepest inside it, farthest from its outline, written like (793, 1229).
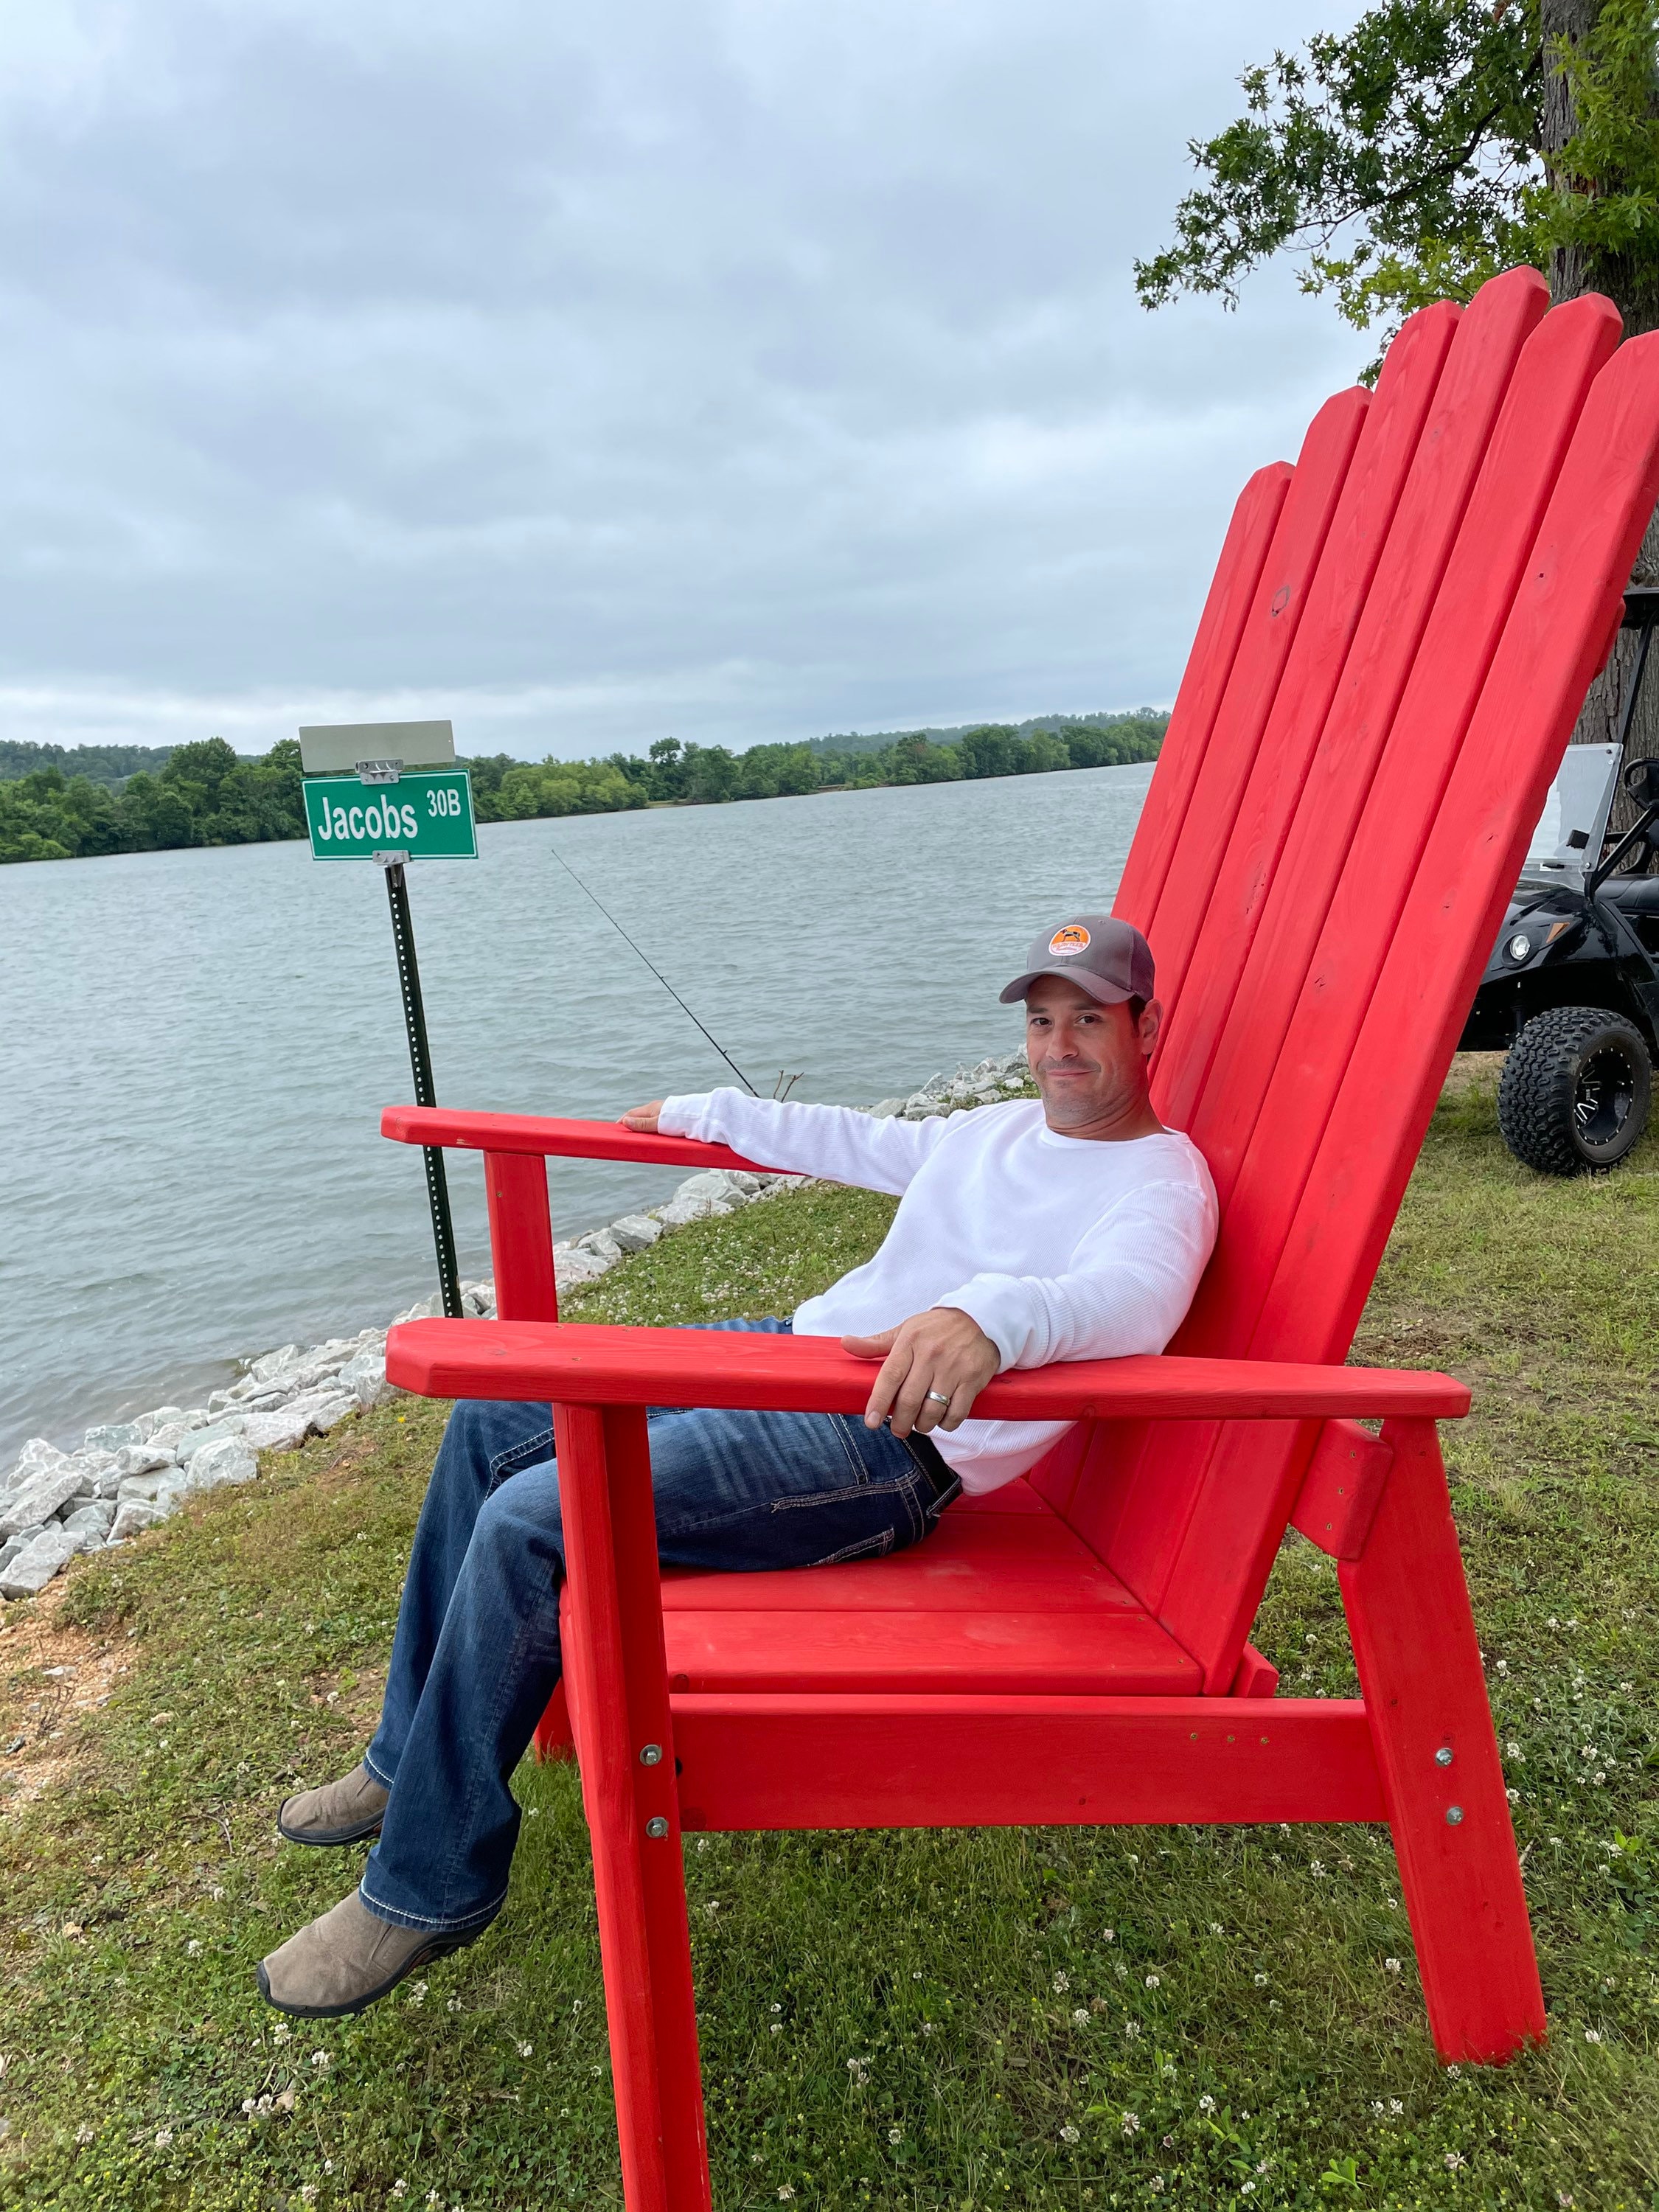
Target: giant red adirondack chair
(1399, 635)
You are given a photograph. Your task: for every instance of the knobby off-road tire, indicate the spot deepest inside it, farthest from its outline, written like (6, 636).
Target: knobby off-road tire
(1575, 1090)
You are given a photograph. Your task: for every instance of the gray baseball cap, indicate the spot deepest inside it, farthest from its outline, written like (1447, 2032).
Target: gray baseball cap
(1108, 959)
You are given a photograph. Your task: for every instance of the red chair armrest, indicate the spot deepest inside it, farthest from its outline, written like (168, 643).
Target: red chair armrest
(580, 1364)
(568, 1140)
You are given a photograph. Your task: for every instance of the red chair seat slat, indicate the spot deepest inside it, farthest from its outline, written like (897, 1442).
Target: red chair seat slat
(992, 1604)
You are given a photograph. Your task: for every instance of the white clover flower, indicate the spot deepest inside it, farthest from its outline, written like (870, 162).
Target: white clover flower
(454, 2005)
(1068, 2133)
(1215, 1927)
(776, 2028)
(400, 2188)
(788, 2190)
(1153, 1982)
(1132, 2028)
(308, 2192)
(1206, 2104)
(1316, 1868)
(1503, 1667)
(1454, 2160)
(193, 1948)
(1261, 1981)
(1109, 1934)
(1395, 2107)
(163, 2137)
(321, 2061)
(526, 2050)
(928, 2027)
(1514, 1796)
(1080, 2015)
(1131, 2123)
(777, 2008)
(895, 2135)
(1391, 1965)
(282, 2032)
(1062, 1981)
(1592, 2035)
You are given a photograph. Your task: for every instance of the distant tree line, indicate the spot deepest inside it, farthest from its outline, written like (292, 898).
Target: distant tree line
(99, 763)
(204, 795)
(507, 790)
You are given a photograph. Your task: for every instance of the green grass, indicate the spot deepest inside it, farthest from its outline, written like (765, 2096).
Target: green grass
(1019, 2018)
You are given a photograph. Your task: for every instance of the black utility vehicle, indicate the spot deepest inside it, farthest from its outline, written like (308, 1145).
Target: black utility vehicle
(1571, 991)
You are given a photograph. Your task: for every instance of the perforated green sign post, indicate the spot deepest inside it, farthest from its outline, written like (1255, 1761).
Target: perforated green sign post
(404, 802)
(427, 815)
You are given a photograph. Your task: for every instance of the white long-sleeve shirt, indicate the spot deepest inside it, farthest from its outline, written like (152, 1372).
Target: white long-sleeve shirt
(1060, 1248)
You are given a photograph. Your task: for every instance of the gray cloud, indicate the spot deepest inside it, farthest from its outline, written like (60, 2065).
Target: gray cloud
(738, 367)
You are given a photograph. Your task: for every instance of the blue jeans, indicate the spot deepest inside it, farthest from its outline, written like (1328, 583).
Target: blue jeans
(476, 1656)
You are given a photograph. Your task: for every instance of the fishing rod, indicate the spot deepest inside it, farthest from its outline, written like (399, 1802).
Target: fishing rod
(657, 972)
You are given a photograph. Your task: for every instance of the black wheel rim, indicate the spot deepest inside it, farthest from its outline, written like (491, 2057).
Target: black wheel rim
(1601, 1098)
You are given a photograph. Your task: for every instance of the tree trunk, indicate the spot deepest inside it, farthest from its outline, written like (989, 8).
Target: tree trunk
(1636, 295)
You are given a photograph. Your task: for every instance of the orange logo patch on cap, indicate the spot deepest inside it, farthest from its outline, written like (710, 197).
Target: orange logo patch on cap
(1074, 938)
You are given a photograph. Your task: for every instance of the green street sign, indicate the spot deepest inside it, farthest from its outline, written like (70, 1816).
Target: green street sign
(426, 816)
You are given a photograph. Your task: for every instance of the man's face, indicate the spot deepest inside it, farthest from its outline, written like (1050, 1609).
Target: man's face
(1089, 1061)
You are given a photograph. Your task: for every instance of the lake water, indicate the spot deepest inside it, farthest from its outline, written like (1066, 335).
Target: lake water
(197, 1045)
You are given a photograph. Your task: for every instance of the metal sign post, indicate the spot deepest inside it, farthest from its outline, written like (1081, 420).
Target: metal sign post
(378, 811)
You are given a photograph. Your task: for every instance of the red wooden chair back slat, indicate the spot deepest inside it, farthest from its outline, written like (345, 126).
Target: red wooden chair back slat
(1366, 788)
(1232, 590)
(1270, 635)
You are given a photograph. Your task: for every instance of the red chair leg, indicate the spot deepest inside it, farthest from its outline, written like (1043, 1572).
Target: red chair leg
(1426, 1699)
(619, 1680)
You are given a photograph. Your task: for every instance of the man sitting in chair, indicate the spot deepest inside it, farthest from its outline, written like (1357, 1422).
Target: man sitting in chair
(1074, 1229)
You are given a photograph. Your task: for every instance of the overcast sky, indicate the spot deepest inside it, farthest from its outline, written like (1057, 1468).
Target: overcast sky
(737, 369)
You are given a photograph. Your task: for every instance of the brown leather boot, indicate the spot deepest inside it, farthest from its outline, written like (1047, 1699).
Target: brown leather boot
(346, 1959)
(341, 1812)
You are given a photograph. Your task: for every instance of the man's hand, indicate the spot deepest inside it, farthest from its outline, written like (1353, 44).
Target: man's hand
(942, 1350)
(643, 1118)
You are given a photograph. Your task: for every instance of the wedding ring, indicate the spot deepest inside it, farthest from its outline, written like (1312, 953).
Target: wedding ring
(941, 1395)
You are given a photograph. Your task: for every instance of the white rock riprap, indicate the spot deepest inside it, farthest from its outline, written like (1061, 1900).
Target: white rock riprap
(128, 1476)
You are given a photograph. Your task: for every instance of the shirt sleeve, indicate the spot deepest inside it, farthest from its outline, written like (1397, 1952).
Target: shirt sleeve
(1126, 1291)
(836, 1142)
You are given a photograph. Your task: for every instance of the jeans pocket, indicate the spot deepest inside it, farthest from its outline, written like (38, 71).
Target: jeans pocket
(867, 1547)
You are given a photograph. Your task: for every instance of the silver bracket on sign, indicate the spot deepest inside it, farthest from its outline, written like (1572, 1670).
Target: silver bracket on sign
(389, 859)
(380, 771)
